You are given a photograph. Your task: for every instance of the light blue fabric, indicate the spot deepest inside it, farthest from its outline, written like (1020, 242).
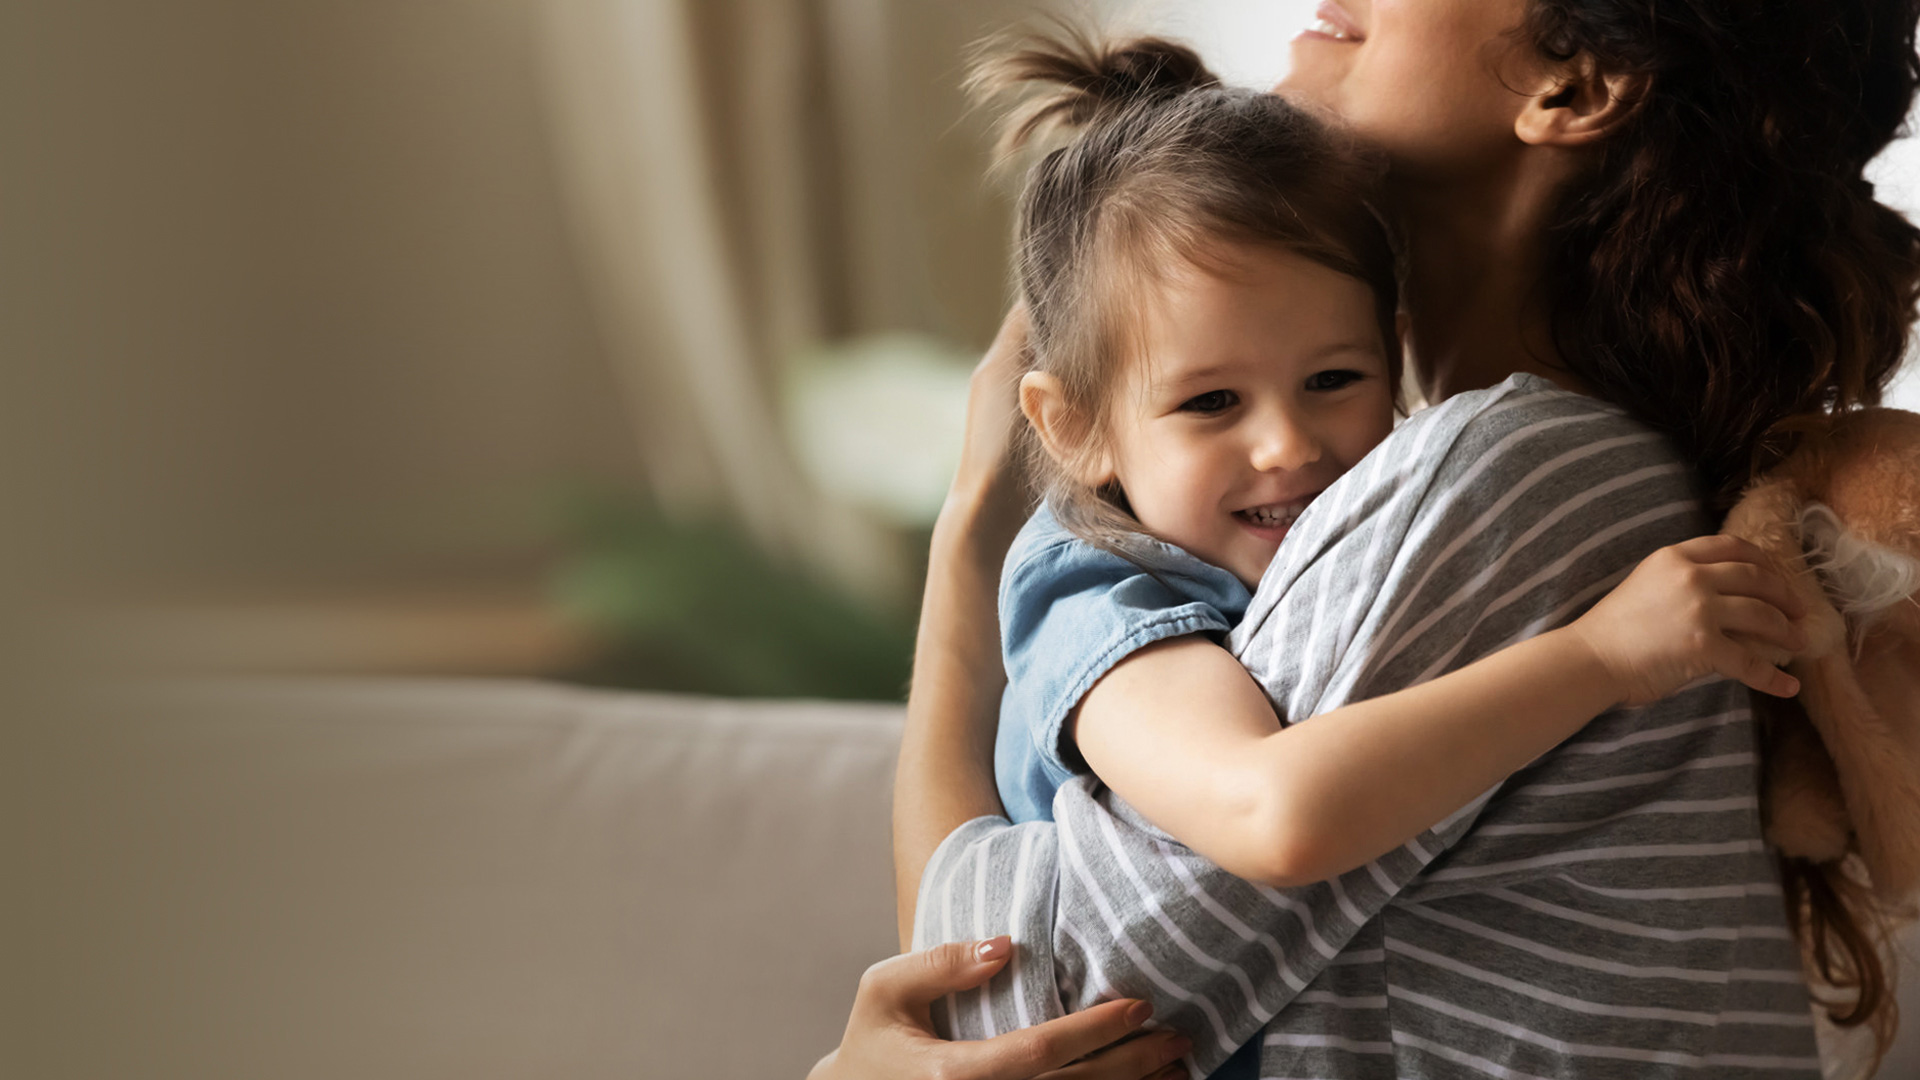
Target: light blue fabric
(1070, 611)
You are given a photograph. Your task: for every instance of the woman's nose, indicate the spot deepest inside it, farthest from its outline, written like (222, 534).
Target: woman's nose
(1284, 444)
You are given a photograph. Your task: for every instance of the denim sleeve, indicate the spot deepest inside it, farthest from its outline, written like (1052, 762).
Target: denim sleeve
(1069, 612)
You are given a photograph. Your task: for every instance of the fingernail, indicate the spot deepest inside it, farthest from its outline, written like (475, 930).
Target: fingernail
(989, 951)
(1139, 1013)
(1179, 1046)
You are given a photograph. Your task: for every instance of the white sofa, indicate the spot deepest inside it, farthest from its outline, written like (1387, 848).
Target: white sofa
(418, 879)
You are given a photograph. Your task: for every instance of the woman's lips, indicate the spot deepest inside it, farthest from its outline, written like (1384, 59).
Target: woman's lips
(1334, 24)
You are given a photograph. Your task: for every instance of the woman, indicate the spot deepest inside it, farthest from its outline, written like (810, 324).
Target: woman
(1656, 204)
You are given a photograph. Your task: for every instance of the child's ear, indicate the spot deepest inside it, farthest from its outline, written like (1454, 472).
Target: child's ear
(1063, 433)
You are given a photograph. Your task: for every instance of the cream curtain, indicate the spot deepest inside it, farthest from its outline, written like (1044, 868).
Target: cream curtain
(745, 179)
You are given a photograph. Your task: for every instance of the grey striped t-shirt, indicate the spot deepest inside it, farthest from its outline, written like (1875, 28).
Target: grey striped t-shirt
(1609, 911)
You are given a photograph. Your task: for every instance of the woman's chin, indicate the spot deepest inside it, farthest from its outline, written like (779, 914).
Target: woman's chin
(1308, 75)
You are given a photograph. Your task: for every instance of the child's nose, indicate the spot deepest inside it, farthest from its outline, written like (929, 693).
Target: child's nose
(1285, 445)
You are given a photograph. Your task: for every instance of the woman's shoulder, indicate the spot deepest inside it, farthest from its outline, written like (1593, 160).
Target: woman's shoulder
(1478, 444)
(1523, 403)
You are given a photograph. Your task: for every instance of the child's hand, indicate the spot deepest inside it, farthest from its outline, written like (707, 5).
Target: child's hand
(1709, 606)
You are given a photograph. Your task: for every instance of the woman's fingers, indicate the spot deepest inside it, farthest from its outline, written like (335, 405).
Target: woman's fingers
(914, 981)
(1149, 1057)
(1051, 1049)
(1010, 344)
(990, 474)
(906, 986)
(993, 400)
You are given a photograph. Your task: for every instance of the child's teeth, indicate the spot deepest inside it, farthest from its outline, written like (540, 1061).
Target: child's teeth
(1266, 515)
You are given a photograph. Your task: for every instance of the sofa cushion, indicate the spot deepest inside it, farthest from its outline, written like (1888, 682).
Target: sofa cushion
(460, 879)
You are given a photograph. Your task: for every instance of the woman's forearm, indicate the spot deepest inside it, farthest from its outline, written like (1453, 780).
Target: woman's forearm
(945, 775)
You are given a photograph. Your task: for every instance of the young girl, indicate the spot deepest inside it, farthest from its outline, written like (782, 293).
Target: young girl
(1212, 308)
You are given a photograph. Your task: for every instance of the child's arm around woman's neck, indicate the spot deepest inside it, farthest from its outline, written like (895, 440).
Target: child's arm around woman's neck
(1182, 732)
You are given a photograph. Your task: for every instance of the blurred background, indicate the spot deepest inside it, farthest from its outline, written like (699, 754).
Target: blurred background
(553, 337)
(611, 342)
(620, 342)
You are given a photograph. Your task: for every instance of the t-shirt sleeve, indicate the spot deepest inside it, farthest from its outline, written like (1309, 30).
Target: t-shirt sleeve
(1069, 612)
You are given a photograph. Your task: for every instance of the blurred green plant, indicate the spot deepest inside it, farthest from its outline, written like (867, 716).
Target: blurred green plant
(699, 608)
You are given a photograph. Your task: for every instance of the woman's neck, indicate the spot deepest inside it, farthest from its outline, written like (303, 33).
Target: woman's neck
(1476, 252)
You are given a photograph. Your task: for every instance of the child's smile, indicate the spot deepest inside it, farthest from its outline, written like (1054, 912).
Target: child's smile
(1262, 381)
(1271, 521)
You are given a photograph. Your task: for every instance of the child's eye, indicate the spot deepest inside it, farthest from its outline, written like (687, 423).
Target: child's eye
(1212, 401)
(1323, 381)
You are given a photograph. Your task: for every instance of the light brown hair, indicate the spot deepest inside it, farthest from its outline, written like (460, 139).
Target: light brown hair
(1166, 164)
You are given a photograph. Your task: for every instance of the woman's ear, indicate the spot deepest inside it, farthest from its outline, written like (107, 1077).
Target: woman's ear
(1578, 104)
(1063, 433)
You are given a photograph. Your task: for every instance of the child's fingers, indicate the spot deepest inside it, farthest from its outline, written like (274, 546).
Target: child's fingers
(1760, 622)
(1720, 548)
(1756, 580)
(1746, 665)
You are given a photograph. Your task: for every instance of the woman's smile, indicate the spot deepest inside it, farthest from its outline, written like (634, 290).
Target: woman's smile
(1333, 23)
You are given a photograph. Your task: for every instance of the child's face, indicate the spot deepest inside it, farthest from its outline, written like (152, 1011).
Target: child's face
(1258, 388)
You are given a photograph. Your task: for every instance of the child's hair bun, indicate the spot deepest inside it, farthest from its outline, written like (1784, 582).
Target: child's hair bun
(1095, 78)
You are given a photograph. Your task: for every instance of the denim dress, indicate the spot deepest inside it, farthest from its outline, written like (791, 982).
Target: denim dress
(1070, 611)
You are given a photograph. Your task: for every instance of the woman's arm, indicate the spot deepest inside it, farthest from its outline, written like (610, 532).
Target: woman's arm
(1182, 732)
(945, 775)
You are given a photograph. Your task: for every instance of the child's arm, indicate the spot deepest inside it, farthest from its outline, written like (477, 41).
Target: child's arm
(1182, 732)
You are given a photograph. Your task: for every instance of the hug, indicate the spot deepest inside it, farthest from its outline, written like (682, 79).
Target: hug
(1360, 740)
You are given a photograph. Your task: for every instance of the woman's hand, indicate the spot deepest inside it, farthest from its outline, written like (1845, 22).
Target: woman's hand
(989, 493)
(890, 1035)
(1710, 606)
(945, 774)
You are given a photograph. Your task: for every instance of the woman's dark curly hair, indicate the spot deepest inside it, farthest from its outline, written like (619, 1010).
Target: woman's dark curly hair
(1727, 267)
(1725, 271)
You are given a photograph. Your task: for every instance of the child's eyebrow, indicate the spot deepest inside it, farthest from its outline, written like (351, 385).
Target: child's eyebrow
(1369, 345)
(1189, 376)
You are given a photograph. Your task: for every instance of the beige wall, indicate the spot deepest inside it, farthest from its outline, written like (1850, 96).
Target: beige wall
(285, 294)
(287, 288)
(288, 298)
